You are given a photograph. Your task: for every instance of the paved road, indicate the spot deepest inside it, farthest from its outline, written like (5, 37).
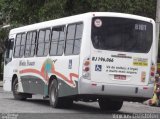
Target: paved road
(88, 110)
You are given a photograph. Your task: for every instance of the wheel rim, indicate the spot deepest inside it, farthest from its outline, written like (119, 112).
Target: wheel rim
(53, 94)
(16, 88)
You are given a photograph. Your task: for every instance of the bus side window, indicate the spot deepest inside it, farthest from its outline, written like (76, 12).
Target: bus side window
(73, 41)
(17, 46)
(22, 46)
(33, 43)
(30, 44)
(43, 42)
(78, 37)
(40, 44)
(70, 39)
(47, 42)
(9, 50)
(57, 42)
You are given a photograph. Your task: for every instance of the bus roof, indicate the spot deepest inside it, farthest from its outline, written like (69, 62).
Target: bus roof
(72, 19)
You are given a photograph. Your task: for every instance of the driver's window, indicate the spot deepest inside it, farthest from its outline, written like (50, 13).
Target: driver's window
(9, 50)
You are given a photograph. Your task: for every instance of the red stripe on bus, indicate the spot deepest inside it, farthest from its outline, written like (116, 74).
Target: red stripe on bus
(33, 71)
(42, 73)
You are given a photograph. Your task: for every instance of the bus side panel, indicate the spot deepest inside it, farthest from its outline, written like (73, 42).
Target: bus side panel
(32, 76)
(35, 78)
(66, 71)
(32, 84)
(65, 90)
(9, 70)
(85, 54)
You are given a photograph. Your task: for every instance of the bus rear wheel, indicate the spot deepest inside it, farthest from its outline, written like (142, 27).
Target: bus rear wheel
(55, 101)
(17, 95)
(110, 105)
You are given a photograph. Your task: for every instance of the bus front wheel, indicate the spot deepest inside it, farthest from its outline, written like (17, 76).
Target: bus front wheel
(110, 105)
(55, 100)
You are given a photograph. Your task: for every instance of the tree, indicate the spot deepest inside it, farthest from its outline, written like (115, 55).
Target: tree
(23, 12)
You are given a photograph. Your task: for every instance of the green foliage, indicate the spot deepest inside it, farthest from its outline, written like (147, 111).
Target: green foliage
(52, 9)
(22, 12)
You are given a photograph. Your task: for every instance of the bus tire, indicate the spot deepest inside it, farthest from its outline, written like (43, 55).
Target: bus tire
(16, 94)
(55, 101)
(110, 105)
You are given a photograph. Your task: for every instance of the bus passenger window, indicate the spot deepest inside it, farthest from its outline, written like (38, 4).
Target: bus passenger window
(47, 42)
(30, 44)
(23, 40)
(33, 43)
(19, 45)
(43, 42)
(70, 39)
(78, 38)
(57, 42)
(73, 41)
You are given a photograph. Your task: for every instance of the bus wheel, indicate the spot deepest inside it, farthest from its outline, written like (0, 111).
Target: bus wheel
(55, 101)
(106, 104)
(16, 94)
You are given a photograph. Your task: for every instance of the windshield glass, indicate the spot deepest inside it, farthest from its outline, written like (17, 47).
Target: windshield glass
(121, 34)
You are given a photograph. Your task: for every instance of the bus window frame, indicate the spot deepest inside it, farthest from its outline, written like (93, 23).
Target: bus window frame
(19, 45)
(43, 29)
(75, 23)
(8, 58)
(65, 31)
(31, 44)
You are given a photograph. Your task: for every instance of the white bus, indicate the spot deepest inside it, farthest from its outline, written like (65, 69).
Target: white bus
(101, 56)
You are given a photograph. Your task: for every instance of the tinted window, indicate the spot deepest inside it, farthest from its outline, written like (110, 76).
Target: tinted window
(43, 42)
(18, 39)
(23, 41)
(74, 35)
(57, 42)
(121, 34)
(33, 46)
(9, 48)
(19, 45)
(30, 44)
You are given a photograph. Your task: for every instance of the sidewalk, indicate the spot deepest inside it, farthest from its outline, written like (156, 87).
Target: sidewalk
(1, 83)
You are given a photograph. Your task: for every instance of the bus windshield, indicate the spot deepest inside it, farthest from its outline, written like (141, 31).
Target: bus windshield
(121, 34)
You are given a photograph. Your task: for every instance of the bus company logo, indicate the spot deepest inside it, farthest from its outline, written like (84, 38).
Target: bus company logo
(98, 67)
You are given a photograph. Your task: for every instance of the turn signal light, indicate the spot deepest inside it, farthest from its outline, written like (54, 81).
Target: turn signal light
(86, 68)
(152, 73)
(86, 63)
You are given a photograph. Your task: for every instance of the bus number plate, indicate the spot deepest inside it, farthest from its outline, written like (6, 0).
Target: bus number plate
(120, 77)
